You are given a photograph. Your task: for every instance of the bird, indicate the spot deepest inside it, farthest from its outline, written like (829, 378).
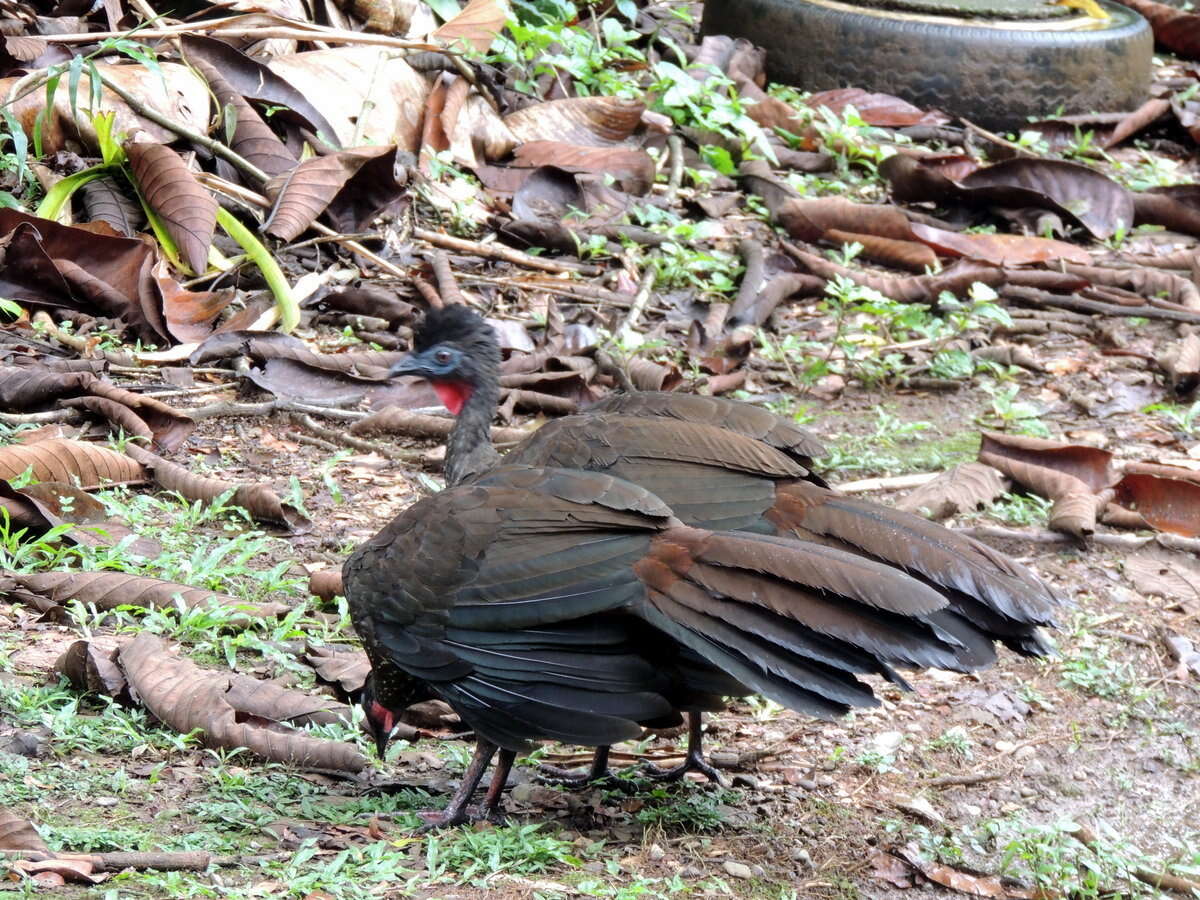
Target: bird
(650, 556)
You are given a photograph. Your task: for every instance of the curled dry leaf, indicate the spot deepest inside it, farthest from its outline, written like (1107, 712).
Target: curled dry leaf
(187, 698)
(258, 500)
(343, 667)
(17, 833)
(1167, 504)
(1176, 207)
(882, 110)
(1175, 29)
(326, 583)
(307, 190)
(476, 25)
(963, 882)
(92, 668)
(964, 488)
(69, 461)
(252, 139)
(1181, 363)
(586, 121)
(187, 210)
(118, 416)
(39, 507)
(1143, 280)
(270, 700)
(632, 170)
(648, 375)
(34, 387)
(1000, 249)
(1068, 474)
(109, 590)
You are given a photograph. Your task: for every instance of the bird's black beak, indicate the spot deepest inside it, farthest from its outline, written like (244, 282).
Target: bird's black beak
(412, 364)
(381, 742)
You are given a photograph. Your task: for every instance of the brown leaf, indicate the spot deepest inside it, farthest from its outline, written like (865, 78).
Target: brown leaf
(1076, 191)
(169, 427)
(187, 210)
(343, 83)
(809, 219)
(107, 271)
(251, 78)
(93, 669)
(252, 139)
(325, 583)
(33, 387)
(119, 417)
(1158, 572)
(257, 499)
(882, 110)
(890, 868)
(1000, 249)
(477, 25)
(17, 833)
(964, 488)
(1167, 504)
(1176, 207)
(187, 698)
(1091, 465)
(898, 254)
(633, 170)
(69, 461)
(346, 668)
(58, 869)
(1075, 512)
(105, 200)
(267, 699)
(586, 121)
(189, 315)
(305, 192)
(109, 590)
(1175, 29)
(647, 375)
(963, 882)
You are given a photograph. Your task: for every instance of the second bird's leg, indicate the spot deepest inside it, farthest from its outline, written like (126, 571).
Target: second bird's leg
(489, 809)
(599, 772)
(456, 812)
(693, 762)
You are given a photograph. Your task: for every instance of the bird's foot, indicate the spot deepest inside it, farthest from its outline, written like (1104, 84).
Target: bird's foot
(694, 762)
(587, 778)
(445, 818)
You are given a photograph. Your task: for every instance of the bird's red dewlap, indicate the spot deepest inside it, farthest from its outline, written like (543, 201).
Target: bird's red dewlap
(453, 394)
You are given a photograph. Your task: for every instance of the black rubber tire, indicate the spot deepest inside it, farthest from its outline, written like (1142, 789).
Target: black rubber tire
(994, 73)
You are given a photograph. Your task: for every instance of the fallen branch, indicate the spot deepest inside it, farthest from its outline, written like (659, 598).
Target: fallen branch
(964, 780)
(341, 437)
(1044, 298)
(1156, 880)
(162, 861)
(893, 483)
(394, 420)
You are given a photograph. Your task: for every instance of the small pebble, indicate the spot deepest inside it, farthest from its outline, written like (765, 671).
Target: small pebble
(1005, 746)
(1027, 791)
(746, 781)
(1024, 753)
(655, 853)
(801, 856)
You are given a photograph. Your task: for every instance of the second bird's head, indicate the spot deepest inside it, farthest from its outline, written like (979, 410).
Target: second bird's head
(456, 351)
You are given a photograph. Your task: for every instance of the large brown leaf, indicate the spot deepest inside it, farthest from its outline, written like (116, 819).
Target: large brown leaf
(23, 388)
(170, 89)
(257, 499)
(93, 668)
(105, 200)
(586, 121)
(189, 315)
(69, 461)
(187, 698)
(962, 489)
(108, 590)
(1080, 193)
(1000, 249)
(48, 264)
(345, 668)
(168, 426)
(251, 78)
(187, 210)
(1068, 474)
(1176, 207)
(304, 193)
(367, 94)
(477, 25)
(633, 170)
(17, 833)
(1167, 504)
(883, 110)
(252, 139)
(1175, 29)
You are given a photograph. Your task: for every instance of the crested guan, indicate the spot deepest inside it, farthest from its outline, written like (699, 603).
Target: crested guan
(650, 556)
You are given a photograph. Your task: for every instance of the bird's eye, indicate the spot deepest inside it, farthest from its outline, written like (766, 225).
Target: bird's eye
(442, 357)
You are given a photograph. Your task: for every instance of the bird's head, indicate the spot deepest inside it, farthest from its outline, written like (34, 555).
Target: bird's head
(381, 721)
(456, 351)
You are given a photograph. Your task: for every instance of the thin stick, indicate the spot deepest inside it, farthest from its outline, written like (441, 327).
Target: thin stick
(348, 440)
(629, 324)
(499, 251)
(675, 177)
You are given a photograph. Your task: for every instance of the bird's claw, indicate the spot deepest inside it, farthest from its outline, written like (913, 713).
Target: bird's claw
(442, 818)
(693, 763)
(588, 778)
